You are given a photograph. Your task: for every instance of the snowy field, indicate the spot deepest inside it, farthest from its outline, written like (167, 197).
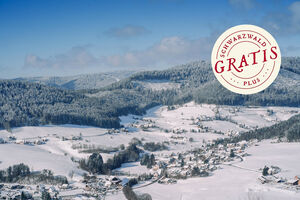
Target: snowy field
(37, 159)
(158, 85)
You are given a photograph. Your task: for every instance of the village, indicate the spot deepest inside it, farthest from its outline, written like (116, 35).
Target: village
(168, 169)
(185, 150)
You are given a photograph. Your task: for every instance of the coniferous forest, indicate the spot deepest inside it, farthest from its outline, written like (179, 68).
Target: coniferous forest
(23, 103)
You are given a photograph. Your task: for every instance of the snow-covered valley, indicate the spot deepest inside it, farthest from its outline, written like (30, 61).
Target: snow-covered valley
(181, 129)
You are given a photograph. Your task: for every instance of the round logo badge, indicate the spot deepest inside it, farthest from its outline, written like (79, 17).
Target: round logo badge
(246, 59)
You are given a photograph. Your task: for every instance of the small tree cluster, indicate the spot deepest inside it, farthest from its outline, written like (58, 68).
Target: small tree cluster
(14, 173)
(151, 146)
(94, 164)
(147, 160)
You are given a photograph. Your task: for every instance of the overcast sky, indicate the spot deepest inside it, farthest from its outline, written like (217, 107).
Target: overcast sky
(66, 37)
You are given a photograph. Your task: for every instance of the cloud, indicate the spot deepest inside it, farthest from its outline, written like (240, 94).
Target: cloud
(293, 48)
(290, 50)
(169, 51)
(128, 31)
(285, 22)
(76, 57)
(243, 4)
(35, 61)
(295, 15)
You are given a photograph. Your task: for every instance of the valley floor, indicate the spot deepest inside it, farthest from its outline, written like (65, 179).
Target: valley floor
(181, 128)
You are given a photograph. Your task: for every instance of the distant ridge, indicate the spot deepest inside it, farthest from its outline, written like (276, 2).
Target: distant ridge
(78, 82)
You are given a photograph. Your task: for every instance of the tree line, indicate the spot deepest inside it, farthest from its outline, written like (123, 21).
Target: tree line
(288, 130)
(22, 173)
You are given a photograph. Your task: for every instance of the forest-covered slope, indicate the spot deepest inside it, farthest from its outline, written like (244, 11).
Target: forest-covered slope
(23, 103)
(33, 104)
(197, 82)
(288, 130)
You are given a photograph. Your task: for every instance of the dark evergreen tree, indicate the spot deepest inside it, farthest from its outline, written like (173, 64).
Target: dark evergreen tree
(195, 171)
(232, 153)
(265, 171)
(46, 195)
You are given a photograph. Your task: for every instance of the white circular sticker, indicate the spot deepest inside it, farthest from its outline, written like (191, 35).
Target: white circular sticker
(246, 59)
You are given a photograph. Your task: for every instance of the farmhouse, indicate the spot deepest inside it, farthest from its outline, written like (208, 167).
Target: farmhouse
(115, 180)
(293, 182)
(39, 142)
